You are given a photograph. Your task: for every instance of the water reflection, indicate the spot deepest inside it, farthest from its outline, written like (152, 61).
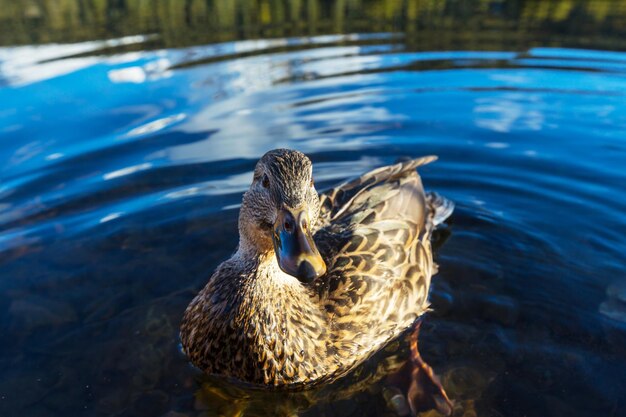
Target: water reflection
(504, 113)
(123, 162)
(157, 125)
(197, 21)
(25, 65)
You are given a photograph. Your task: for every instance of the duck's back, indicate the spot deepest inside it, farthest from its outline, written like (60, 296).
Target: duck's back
(374, 234)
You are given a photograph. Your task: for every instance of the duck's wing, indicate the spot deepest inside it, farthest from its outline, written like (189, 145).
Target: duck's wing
(337, 201)
(374, 236)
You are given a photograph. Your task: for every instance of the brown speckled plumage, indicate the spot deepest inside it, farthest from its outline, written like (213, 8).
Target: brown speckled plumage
(255, 323)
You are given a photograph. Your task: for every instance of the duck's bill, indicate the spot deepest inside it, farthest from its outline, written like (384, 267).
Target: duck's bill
(295, 249)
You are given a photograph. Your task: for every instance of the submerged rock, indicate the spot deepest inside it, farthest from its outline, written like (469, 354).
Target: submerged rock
(173, 413)
(35, 311)
(114, 402)
(396, 401)
(20, 389)
(151, 403)
(38, 410)
(465, 382)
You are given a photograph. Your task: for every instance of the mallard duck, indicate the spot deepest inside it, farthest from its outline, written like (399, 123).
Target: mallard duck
(318, 283)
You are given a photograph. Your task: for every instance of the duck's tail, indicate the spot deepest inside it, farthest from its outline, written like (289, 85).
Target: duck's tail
(439, 208)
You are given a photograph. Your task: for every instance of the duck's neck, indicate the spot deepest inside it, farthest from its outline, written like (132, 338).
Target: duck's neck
(268, 287)
(250, 251)
(254, 242)
(263, 270)
(284, 324)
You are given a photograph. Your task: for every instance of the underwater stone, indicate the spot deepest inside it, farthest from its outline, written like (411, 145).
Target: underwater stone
(26, 390)
(38, 411)
(114, 402)
(200, 405)
(151, 403)
(106, 307)
(173, 413)
(465, 382)
(35, 311)
(396, 401)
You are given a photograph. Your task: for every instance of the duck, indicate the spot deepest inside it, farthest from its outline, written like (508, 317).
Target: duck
(319, 282)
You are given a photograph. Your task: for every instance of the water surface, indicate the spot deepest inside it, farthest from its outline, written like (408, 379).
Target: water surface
(129, 135)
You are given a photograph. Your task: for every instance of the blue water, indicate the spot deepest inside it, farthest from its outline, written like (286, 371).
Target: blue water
(121, 174)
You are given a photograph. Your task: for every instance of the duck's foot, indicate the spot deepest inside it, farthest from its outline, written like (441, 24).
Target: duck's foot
(425, 390)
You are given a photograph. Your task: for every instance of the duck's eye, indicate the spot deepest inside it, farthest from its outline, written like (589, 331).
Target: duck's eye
(265, 182)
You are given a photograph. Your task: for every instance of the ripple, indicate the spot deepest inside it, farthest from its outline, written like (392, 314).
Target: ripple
(24, 65)
(123, 169)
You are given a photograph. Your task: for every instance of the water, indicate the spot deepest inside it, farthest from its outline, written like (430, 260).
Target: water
(123, 162)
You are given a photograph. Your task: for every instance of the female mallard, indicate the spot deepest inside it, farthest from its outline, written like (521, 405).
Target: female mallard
(318, 283)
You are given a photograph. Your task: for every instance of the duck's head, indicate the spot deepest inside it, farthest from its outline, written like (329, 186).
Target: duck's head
(278, 211)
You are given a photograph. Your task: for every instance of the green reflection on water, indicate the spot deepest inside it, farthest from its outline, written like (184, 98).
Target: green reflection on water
(431, 24)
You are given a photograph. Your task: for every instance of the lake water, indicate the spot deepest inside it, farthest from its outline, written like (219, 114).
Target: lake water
(128, 134)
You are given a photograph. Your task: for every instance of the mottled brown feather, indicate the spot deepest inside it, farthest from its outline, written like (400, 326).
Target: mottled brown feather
(374, 234)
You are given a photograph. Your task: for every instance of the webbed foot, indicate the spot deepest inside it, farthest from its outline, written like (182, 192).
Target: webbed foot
(425, 390)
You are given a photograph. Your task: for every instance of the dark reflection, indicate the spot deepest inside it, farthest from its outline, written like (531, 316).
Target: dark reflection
(217, 397)
(440, 24)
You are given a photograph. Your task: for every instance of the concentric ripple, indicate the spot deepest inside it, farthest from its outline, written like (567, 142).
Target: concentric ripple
(121, 175)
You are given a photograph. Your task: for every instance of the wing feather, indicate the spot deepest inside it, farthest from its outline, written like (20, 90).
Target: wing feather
(374, 234)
